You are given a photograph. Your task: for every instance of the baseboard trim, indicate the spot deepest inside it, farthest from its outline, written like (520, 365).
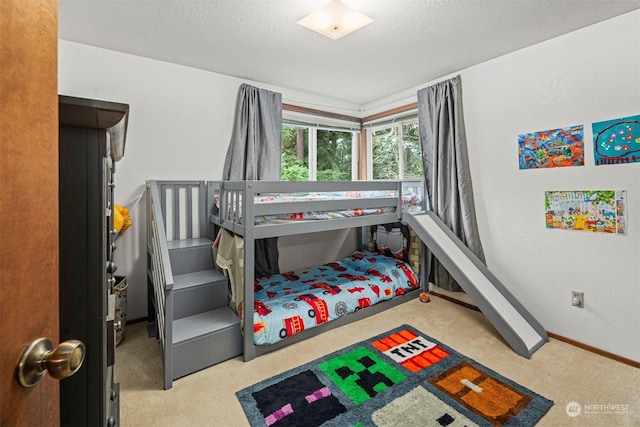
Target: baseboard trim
(574, 343)
(595, 350)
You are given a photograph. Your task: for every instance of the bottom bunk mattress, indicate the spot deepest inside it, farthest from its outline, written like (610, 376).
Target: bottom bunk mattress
(286, 304)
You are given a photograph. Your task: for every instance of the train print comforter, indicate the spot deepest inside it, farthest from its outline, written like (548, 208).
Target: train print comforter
(286, 304)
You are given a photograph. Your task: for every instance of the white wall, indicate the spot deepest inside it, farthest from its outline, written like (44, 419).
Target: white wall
(179, 128)
(583, 77)
(181, 122)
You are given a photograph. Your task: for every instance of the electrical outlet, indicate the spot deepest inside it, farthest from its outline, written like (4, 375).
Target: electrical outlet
(577, 299)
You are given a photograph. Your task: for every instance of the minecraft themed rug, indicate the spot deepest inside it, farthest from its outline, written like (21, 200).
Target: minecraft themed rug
(400, 378)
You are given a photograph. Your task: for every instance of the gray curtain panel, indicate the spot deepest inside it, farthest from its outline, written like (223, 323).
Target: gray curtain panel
(255, 149)
(446, 169)
(254, 154)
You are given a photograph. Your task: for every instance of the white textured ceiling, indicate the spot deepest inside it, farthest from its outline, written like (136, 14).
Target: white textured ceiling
(409, 43)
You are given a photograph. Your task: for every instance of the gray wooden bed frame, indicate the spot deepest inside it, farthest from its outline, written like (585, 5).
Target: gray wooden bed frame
(237, 203)
(182, 223)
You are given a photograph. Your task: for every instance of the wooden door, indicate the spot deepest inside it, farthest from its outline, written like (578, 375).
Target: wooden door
(28, 202)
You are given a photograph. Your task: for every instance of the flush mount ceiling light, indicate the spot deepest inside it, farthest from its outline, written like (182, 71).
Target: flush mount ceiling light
(335, 20)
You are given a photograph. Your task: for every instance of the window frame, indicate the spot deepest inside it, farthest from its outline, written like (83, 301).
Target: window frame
(360, 128)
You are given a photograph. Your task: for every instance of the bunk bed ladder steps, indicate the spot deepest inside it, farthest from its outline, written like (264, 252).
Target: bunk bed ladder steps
(205, 330)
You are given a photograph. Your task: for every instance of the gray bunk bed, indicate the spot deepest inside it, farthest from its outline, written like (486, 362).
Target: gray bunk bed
(377, 202)
(188, 295)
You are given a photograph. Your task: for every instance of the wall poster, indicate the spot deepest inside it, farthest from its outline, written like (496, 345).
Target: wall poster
(616, 141)
(551, 148)
(590, 210)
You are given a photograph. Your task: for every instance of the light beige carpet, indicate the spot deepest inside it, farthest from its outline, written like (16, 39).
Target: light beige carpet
(558, 371)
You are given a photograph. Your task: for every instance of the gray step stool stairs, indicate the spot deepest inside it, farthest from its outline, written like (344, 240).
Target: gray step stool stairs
(205, 330)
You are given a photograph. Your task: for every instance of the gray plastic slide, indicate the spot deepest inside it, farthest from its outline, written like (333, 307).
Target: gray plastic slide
(517, 326)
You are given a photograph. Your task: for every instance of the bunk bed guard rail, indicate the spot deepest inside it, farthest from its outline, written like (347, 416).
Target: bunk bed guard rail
(235, 200)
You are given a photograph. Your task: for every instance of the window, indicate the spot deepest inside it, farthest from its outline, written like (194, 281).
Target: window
(295, 153)
(412, 151)
(395, 152)
(384, 153)
(334, 155)
(325, 147)
(316, 154)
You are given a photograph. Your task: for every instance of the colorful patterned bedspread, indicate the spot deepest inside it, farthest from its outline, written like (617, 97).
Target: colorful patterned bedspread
(286, 304)
(411, 201)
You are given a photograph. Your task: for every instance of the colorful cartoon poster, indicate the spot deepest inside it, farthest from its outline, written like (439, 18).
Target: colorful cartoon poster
(616, 141)
(552, 148)
(594, 210)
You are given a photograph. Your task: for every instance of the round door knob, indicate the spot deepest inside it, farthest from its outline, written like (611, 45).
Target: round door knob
(40, 357)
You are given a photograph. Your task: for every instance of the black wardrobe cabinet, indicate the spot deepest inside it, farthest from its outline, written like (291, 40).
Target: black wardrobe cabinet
(92, 139)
